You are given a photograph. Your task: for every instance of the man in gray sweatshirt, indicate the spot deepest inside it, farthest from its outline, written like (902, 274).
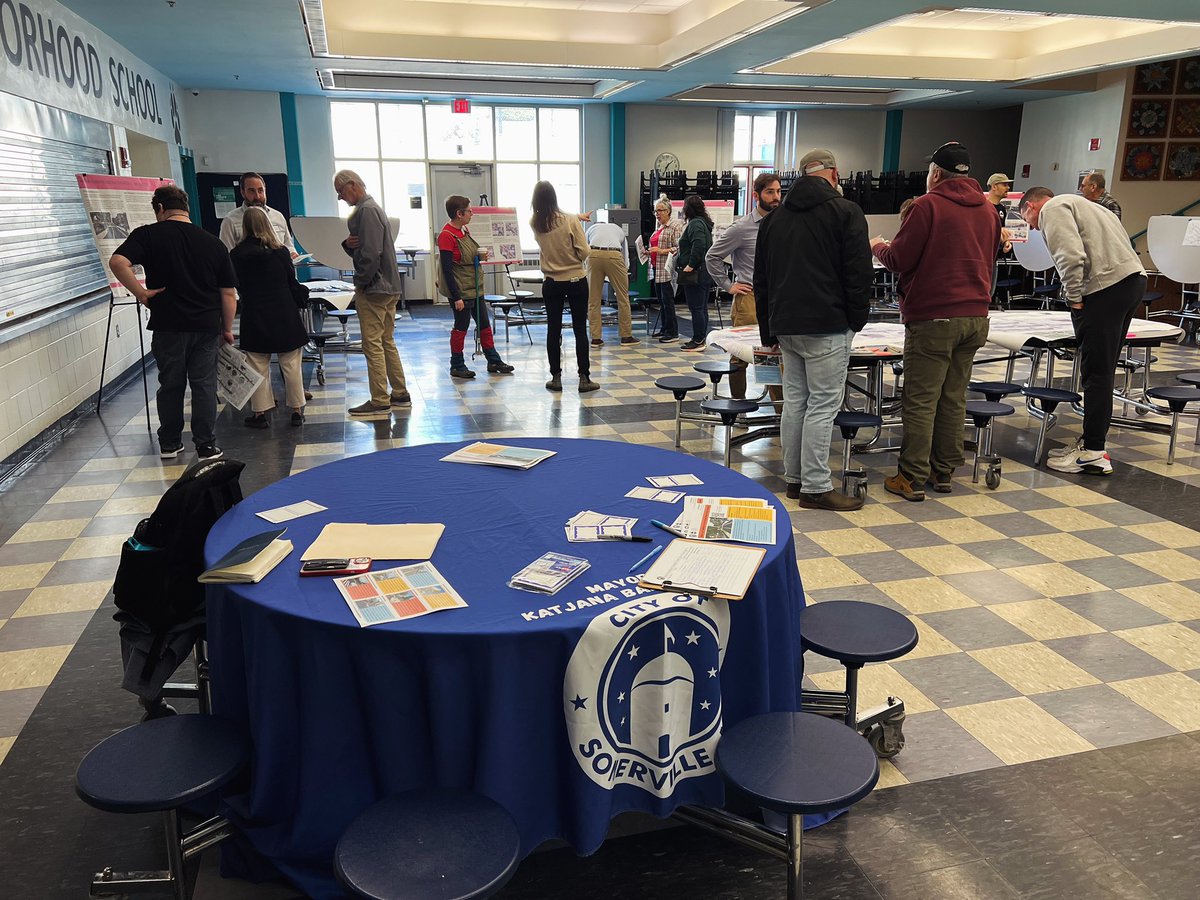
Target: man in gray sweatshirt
(1102, 283)
(372, 245)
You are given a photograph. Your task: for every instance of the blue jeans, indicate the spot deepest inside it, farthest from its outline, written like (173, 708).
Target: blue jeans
(814, 382)
(697, 301)
(184, 358)
(666, 300)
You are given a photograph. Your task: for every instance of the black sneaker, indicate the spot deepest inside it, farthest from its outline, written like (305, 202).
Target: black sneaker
(668, 339)
(462, 372)
(370, 410)
(258, 420)
(208, 452)
(404, 399)
(693, 346)
(630, 340)
(297, 418)
(499, 367)
(169, 452)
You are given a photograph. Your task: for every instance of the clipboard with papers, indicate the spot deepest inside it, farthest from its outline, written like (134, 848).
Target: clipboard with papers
(706, 569)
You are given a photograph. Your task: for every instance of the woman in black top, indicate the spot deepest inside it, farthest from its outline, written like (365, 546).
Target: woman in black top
(693, 245)
(271, 301)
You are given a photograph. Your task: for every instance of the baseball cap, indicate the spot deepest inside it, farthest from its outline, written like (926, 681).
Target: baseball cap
(953, 157)
(999, 178)
(817, 161)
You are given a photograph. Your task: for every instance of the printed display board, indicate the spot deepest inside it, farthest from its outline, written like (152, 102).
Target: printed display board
(720, 211)
(495, 228)
(116, 205)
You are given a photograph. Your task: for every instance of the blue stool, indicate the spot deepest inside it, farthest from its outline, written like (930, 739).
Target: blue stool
(728, 411)
(856, 633)
(994, 391)
(982, 412)
(433, 844)
(679, 385)
(1176, 398)
(715, 369)
(160, 766)
(797, 763)
(849, 421)
(1048, 399)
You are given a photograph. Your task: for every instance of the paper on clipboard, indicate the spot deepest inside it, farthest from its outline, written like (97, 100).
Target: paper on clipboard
(724, 571)
(341, 540)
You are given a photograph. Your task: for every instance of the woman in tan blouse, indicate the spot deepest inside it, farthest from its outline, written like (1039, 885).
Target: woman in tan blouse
(563, 250)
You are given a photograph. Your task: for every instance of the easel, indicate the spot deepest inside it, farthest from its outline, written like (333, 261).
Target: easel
(112, 303)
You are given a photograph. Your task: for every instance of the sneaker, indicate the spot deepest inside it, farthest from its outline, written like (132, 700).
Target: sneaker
(596, 342)
(165, 452)
(297, 418)
(834, 500)
(554, 384)
(499, 367)
(1069, 450)
(668, 339)
(462, 372)
(940, 482)
(1085, 462)
(900, 485)
(209, 452)
(630, 340)
(793, 491)
(371, 410)
(258, 420)
(586, 385)
(693, 347)
(404, 399)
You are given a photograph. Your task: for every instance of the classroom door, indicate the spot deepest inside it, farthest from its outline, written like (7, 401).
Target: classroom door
(473, 180)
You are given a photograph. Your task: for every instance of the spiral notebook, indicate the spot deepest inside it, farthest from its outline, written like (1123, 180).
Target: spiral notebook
(704, 568)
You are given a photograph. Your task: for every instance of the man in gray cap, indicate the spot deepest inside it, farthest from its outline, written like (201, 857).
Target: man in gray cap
(944, 253)
(812, 291)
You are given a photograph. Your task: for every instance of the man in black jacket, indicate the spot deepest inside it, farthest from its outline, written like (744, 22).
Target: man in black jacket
(812, 289)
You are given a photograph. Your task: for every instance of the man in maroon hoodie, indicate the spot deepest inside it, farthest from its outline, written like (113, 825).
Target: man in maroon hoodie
(943, 254)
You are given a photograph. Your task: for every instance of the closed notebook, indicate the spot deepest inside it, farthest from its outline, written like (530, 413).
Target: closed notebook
(250, 561)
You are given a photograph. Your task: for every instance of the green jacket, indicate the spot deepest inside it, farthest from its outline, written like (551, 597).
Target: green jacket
(694, 243)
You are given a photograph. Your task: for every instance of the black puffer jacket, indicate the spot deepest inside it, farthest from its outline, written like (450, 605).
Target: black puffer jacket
(812, 264)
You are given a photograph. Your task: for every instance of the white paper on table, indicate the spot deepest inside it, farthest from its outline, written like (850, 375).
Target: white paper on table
(662, 481)
(341, 540)
(645, 493)
(291, 511)
(746, 519)
(594, 526)
(1191, 234)
(722, 570)
(236, 378)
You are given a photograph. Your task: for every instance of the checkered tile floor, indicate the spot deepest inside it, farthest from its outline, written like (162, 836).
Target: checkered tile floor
(1053, 617)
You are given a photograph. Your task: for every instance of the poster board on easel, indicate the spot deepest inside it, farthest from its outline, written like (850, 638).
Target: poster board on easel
(720, 211)
(495, 228)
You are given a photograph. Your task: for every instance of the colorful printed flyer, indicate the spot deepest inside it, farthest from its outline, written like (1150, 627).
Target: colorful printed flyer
(397, 594)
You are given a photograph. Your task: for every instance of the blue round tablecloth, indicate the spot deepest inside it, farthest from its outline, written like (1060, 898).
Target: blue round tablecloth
(522, 697)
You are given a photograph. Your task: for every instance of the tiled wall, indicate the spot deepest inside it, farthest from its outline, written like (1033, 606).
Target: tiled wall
(47, 373)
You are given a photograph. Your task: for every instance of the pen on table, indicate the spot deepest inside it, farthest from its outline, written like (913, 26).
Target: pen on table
(633, 537)
(645, 559)
(665, 527)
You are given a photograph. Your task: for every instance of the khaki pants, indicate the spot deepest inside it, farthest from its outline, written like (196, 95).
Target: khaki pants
(293, 380)
(744, 312)
(610, 264)
(377, 321)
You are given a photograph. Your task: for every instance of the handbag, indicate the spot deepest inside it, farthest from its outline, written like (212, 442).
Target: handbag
(692, 277)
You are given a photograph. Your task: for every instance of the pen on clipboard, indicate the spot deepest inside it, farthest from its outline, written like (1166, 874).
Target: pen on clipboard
(667, 528)
(645, 559)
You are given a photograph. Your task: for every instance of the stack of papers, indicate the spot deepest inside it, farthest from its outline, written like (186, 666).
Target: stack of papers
(396, 594)
(343, 540)
(548, 573)
(250, 561)
(746, 519)
(594, 526)
(711, 570)
(484, 454)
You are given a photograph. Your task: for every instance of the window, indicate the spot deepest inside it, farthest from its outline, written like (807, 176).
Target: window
(753, 150)
(391, 145)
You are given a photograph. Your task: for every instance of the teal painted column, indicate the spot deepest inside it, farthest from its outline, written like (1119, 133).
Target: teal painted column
(891, 140)
(616, 153)
(291, 150)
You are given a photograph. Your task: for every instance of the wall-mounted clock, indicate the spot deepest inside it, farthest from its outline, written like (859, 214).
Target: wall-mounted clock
(666, 164)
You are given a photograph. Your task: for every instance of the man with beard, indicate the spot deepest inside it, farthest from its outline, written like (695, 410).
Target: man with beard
(254, 193)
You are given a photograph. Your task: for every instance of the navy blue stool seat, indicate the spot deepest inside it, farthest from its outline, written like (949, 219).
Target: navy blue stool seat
(797, 763)
(1047, 401)
(994, 391)
(159, 766)
(982, 413)
(715, 369)
(1177, 398)
(856, 633)
(433, 844)
(679, 385)
(848, 421)
(728, 411)
(1189, 377)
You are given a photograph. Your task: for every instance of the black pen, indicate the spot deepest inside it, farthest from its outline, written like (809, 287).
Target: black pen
(632, 537)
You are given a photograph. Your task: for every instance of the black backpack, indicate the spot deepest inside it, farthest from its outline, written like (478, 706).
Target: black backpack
(156, 579)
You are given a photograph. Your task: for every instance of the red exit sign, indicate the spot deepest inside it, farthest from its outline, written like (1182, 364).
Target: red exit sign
(460, 106)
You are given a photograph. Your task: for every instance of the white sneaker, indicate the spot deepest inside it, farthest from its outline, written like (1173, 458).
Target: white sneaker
(1069, 450)
(1086, 462)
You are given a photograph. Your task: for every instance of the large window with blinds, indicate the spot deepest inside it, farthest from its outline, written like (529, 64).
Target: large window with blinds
(48, 258)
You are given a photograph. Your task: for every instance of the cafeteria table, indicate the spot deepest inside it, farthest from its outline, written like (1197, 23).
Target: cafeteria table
(565, 709)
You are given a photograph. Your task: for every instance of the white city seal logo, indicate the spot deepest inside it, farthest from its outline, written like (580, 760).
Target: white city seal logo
(642, 693)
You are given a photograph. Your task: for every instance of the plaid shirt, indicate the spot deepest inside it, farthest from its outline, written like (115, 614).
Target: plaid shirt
(668, 239)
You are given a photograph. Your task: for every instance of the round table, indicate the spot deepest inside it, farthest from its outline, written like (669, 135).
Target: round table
(557, 707)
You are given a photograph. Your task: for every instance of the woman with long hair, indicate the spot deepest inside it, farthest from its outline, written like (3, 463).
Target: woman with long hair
(693, 274)
(564, 248)
(271, 300)
(664, 242)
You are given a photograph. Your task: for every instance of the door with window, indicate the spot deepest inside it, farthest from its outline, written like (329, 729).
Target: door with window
(471, 180)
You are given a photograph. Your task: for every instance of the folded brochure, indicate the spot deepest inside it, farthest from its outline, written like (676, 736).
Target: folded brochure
(393, 595)
(481, 453)
(250, 561)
